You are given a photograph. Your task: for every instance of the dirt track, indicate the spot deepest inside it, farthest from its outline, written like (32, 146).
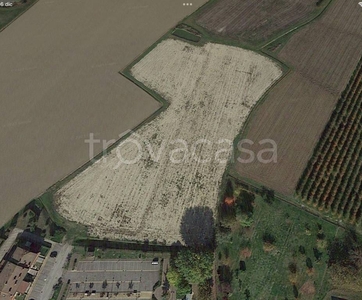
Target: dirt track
(59, 65)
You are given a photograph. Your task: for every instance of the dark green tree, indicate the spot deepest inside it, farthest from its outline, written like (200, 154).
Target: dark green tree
(309, 263)
(194, 266)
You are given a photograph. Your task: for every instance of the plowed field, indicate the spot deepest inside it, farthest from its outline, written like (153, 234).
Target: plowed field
(254, 21)
(323, 55)
(333, 179)
(60, 81)
(211, 90)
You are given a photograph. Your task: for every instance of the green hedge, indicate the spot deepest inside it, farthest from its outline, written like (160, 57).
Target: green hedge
(184, 34)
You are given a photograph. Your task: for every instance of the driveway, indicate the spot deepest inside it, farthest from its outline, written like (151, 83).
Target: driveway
(49, 273)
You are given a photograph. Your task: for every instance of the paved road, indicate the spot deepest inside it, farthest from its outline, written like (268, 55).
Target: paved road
(5, 247)
(50, 271)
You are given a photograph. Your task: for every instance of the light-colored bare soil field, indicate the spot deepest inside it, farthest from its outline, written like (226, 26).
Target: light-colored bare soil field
(323, 56)
(59, 65)
(211, 90)
(255, 21)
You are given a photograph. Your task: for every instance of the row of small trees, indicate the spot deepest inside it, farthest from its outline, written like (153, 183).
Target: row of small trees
(332, 179)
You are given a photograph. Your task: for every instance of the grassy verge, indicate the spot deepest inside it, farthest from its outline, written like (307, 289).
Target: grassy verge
(57, 292)
(73, 230)
(9, 14)
(110, 253)
(44, 250)
(186, 35)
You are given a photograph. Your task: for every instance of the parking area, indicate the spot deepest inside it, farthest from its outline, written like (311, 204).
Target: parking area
(50, 271)
(115, 277)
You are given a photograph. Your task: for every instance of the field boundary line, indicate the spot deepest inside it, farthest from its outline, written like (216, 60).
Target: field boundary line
(297, 27)
(256, 188)
(18, 16)
(208, 35)
(50, 205)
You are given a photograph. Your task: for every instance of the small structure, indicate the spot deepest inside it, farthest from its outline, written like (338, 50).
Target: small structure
(16, 267)
(189, 296)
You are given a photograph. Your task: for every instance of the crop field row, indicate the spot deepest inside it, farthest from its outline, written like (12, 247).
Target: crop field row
(295, 112)
(333, 179)
(254, 21)
(211, 90)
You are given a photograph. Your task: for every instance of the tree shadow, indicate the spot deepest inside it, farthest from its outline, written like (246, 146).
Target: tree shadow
(197, 227)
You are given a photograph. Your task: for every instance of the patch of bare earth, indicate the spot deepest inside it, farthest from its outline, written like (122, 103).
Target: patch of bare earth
(245, 253)
(211, 90)
(308, 288)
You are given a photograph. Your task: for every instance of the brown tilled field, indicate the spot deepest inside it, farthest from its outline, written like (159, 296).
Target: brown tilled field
(59, 65)
(255, 21)
(293, 115)
(328, 50)
(324, 55)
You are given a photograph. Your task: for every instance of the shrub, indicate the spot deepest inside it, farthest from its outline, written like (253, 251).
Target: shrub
(268, 238)
(309, 263)
(292, 267)
(295, 292)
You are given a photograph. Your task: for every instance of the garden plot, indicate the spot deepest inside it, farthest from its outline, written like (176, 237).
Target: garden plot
(211, 90)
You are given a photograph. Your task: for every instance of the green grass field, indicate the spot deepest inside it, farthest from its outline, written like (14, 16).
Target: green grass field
(267, 274)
